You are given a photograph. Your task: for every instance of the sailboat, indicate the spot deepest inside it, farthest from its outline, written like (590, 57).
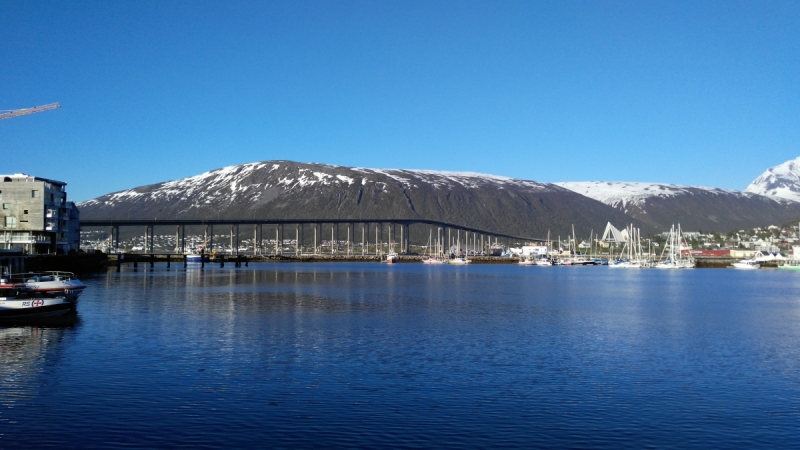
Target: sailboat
(459, 260)
(674, 257)
(431, 259)
(629, 257)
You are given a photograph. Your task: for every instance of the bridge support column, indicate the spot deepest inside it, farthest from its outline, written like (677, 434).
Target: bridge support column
(256, 242)
(317, 235)
(151, 232)
(407, 240)
(183, 238)
(280, 238)
(378, 238)
(350, 237)
(392, 235)
(334, 235)
(302, 242)
(402, 237)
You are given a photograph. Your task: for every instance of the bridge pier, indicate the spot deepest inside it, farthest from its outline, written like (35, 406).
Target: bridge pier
(281, 239)
(183, 238)
(301, 243)
(317, 233)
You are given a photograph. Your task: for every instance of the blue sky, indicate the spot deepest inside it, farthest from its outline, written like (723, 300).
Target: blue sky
(699, 93)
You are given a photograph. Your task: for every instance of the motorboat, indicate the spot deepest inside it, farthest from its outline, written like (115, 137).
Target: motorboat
(432, 260)
(527, 261)
(544, 262)
(50, 284)
(392, 258)
(18, 302)
(459, 261)
(747, 264)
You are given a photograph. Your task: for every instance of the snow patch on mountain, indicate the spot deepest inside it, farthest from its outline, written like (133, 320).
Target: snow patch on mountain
(782, 181)
(623, 195)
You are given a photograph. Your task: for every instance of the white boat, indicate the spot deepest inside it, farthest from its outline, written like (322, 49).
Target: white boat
(527, 261)
(625, 264)
(459, 261)
(544, 262)
(392, 258)
(193, 257)
(747, 264)
(50, 284)
(433, 260)
(17, 302)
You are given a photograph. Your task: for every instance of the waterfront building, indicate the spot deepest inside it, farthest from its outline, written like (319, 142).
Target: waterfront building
(35, 216)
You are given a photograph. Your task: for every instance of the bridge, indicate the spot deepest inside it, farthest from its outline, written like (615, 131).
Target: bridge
(371, 231)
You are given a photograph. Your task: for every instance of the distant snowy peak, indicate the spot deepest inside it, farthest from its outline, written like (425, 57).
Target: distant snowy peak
(623, 195)
(782, 181)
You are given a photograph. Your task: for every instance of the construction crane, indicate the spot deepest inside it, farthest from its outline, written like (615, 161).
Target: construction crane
(22, 112)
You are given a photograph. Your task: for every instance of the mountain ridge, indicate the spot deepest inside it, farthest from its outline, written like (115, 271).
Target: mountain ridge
(290, 190)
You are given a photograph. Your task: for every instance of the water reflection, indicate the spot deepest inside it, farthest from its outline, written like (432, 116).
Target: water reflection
(369, 355)
(26, 353)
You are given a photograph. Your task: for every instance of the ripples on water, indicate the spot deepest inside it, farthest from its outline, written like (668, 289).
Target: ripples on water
(368, 355)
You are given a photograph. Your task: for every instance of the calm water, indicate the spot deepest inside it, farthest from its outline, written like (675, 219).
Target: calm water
(369, 355)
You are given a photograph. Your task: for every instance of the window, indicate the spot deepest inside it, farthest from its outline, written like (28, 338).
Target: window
(11, 222)
(25, 211)
(35, 193)
(6, 205)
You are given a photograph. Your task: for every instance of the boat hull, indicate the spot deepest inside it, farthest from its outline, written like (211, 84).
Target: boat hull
(459, 261)
(34, 308)
(749, 265)
(194, 258)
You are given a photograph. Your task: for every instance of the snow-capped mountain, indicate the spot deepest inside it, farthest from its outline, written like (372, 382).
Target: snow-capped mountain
(695, 207)
(782, 181)
(289, 190)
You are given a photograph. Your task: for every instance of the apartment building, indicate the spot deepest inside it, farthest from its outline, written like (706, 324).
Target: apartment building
(35, 216)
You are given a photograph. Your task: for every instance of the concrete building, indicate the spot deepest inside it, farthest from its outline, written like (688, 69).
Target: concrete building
(35, 216)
